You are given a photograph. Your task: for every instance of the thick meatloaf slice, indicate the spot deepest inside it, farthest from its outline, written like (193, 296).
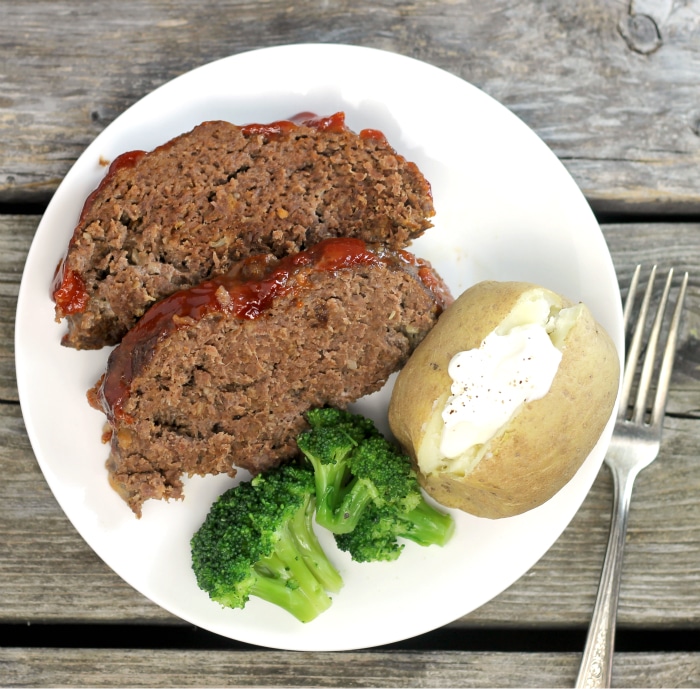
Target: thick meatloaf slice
(176, 216)
(220, 375)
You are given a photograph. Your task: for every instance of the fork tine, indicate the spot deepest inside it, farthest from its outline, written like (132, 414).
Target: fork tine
(629, 302)
(640, 403)
(637, 337)
(658, 410)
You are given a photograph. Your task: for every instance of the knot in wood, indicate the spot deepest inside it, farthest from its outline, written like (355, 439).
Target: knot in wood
(641, 33)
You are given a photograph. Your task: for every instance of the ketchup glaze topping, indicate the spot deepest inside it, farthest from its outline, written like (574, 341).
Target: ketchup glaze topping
(332, 123)
(68, 288)
(246, 292)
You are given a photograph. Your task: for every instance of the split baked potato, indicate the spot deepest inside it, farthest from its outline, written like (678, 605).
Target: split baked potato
(509, 464)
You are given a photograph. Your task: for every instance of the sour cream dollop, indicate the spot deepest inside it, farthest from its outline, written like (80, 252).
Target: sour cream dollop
(490, 383)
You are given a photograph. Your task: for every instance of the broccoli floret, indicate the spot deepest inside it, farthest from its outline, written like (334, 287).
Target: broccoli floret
(258, 540)
(375, 536)
(373, 539)
(328, 445)
(367, 491)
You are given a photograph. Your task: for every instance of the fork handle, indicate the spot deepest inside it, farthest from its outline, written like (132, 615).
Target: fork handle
(596, 664)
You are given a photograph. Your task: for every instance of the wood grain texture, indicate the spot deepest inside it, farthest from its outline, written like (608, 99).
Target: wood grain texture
(107, 668)
(48, 573)
(16, 234)
(611, 86)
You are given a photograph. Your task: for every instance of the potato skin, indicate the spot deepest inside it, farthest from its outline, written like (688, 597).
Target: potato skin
(548, 439)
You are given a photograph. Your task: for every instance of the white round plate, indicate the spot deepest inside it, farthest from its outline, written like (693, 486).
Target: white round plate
(506, 210)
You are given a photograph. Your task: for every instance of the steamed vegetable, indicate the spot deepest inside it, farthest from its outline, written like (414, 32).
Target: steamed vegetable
(367, 491)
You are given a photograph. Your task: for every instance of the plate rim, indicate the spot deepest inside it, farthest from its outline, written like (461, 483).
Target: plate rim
(19, 326)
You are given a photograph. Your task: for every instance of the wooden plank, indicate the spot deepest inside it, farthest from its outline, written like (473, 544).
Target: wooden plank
(664, 244)
(42, 582)
(161, 668)
(16, 233)
(611, 86)
(49, 574)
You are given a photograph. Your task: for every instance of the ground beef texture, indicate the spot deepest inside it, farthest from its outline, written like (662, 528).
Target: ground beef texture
(188, 210)
(220, 376)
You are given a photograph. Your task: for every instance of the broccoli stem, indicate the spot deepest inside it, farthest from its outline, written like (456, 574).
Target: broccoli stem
(279, 592)
(285, 580)
(311, 551)
(329, 480)
(356, 496)
(427, 526)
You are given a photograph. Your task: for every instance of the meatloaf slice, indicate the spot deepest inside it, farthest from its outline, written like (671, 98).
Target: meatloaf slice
(219, 376)
(186, 211)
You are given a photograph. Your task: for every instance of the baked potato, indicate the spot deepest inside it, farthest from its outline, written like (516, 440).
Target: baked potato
(505, 398)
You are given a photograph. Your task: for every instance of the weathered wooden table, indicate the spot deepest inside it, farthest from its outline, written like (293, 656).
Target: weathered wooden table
(612, 87)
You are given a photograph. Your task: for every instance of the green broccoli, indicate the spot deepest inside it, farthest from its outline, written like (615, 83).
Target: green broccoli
(367, 491)
(258, 540)
(328, 445)
(375, 536)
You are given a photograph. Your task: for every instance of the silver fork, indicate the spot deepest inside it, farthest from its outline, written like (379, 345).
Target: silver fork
(634, 445)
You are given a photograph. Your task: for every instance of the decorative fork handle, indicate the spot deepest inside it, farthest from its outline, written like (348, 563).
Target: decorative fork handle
(596, 664)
